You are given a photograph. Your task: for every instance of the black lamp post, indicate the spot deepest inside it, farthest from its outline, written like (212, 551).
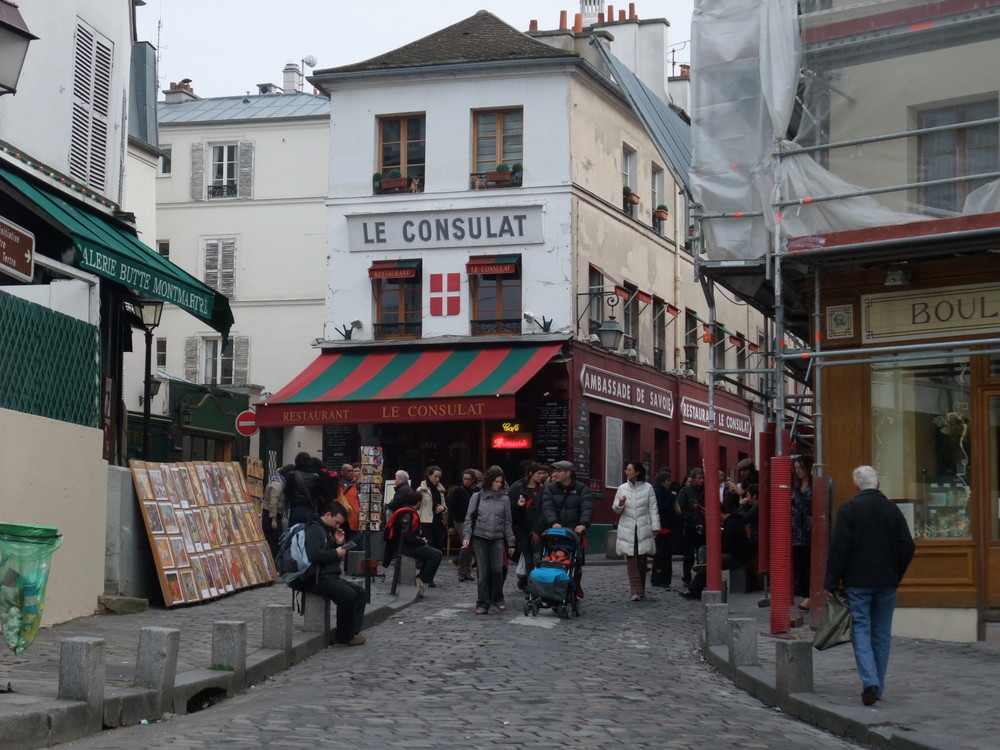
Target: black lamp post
(691, 355)
(149, 313)
(14, 41)
(610, 332)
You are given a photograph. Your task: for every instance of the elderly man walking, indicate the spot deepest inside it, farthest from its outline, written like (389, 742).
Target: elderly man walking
(870, 549)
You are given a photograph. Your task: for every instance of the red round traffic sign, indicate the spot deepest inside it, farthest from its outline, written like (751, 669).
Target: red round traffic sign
(246, 422)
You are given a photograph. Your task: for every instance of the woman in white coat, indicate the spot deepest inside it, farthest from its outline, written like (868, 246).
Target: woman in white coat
(638, 526)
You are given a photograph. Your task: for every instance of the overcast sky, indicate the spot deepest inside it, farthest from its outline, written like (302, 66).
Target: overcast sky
(227, 47)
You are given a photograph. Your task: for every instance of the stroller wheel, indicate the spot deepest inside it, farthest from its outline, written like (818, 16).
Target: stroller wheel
(576, 608)
(527, 607)
(534, 608)
(563, 611)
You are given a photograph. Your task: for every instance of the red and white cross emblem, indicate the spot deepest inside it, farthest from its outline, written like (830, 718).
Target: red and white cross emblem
(444, 294)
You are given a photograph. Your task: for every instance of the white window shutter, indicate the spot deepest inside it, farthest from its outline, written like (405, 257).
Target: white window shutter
(241, 360)
(197, 171)
(191, 359)
(244, 169)
(227, 267)
(212, 263)
(90, 121)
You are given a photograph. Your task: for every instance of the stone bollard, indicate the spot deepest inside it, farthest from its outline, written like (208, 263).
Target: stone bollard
(793, 667)
(229, 649)
(316, 613)
(742, 642)
(156, 664)
(277, 631)
(715, 625)
(713, 597)
(81, 676)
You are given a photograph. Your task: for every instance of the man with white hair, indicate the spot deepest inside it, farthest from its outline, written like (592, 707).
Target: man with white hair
(870, 549)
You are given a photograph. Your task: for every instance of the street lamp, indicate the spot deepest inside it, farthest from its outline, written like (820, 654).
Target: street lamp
(149, 315)
(14, 41)
(610, 331)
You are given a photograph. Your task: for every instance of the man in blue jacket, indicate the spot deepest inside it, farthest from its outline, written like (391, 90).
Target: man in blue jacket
(870, 549)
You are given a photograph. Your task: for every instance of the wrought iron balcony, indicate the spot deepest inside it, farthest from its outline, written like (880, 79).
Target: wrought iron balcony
(229, 190)
(385, 331)
(485, 326)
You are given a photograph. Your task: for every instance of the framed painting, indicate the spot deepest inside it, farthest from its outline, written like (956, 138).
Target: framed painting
(189, 586)
(153, 521)
(179, 549)
(169, 518)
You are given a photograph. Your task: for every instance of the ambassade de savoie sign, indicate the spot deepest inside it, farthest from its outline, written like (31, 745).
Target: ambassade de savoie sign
(617, 389)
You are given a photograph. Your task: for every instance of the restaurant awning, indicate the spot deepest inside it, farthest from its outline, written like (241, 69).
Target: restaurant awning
(393, 269)
(108, 249)
(492, 264)
(408, 385)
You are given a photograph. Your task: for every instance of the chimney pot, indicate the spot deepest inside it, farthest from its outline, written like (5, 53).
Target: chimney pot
(562, 19)
(685, 70)
(578, 23)
(533, 26)
(611, 13)
(621, 15)
(631, 10)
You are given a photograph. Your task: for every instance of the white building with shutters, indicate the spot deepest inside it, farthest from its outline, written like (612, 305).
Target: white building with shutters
(240, 204)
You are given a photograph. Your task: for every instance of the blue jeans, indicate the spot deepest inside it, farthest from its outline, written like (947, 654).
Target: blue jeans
(871, 612)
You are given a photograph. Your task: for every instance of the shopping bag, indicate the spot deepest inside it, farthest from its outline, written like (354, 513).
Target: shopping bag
(835, 623)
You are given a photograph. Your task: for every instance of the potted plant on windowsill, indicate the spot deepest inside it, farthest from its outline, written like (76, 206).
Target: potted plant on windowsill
(630, 197)
(393, 180)
(501, 174)
(661, 212)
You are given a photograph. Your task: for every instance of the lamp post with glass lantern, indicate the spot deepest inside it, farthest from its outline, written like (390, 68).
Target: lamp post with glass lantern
(149, 314)
(14, 41)
(610, 332)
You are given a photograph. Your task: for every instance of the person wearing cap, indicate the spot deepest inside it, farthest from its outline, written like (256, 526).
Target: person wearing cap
(567, 503)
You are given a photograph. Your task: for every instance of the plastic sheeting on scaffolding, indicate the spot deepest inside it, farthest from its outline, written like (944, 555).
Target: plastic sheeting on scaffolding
(852, 84)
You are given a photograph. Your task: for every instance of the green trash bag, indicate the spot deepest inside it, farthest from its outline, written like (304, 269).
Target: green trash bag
(25, 554)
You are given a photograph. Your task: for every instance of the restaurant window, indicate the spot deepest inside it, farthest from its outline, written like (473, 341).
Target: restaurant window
(495, 288)
(921, 434)
(402, 145)
(956, 153)
(397, 288)
(498, 138)
(222, 178)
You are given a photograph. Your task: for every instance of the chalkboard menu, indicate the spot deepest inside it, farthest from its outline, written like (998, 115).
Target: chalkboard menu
(581, 443)
(339, 445)
(551, 432)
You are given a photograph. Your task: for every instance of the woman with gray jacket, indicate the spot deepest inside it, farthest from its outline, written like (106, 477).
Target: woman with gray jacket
(487, 529)
(638, 526)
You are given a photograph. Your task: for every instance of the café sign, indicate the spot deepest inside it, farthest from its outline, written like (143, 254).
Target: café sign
(17, 251)
(422, 230)
(358, 412)
(617, 389)
(930, 313)
(695, 412)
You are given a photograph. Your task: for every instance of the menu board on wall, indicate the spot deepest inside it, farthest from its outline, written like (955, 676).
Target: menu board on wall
(339, 445)
(581, 444)
(551, 432)
(370, 488)
(204, 533)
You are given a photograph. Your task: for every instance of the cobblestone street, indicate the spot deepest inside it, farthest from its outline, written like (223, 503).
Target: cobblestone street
(623, 675)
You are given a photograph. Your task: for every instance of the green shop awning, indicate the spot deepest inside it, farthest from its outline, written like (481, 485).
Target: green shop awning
(109, 250)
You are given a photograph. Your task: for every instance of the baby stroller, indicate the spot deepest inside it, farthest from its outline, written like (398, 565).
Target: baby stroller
(551, 584)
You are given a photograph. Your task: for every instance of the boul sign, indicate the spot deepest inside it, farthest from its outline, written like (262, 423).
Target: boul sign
(727, 422)
(930, 313)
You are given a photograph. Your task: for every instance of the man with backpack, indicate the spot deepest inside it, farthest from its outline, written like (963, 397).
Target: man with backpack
(324, 548)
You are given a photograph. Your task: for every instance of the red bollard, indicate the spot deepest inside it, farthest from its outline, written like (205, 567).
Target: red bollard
(781, 543)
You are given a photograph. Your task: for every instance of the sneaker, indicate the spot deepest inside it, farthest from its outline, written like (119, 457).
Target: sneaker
(869, 695)
(354, 640)
(421, 588)
(502, 606)
(636, 597)
(481, 610)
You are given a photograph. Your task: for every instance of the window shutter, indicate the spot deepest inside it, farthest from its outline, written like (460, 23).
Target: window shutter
(212, 263)
(191, 359)
(90, 122)
(227, 268)
(197, 171)
(244, 176)
(241, 360)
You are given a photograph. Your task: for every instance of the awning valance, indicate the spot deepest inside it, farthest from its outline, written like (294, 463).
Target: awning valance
(393, 269)
(108, 249)
(605, 274)
(492, 264)
(409, 385)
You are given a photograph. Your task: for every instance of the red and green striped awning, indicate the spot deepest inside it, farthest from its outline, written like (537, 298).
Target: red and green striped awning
(406, 385)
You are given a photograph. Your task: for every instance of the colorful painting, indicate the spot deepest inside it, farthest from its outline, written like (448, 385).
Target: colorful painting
(195, 481)
(192, 526)
(159, 488)
(169, 519)
(189, 586)
(168, 481)
(178, 547)
(153, 517)
(163, 553)
(248, 566)
(235, 523)
(199, 518)
(186, 533)
(143, 487)
(199, 576)
(174, 587)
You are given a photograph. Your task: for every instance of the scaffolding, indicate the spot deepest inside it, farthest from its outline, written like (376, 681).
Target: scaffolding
(830, 136)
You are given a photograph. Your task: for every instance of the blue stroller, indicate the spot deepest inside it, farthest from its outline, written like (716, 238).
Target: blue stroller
(551, 584)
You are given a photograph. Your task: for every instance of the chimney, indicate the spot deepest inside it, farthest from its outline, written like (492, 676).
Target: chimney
(292, 78)
(611, 14)
(578, 23)
(180, 92)
(533, 25)
(621, 15)
(590, 9)
(562, 20)
(631, 11)
(685, 71)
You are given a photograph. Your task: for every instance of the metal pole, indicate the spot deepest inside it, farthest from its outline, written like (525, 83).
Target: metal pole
(147, 393)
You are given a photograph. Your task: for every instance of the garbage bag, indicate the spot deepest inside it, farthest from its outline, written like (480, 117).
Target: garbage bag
(25, 554)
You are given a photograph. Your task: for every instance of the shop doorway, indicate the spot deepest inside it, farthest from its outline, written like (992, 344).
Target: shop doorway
(991, 521)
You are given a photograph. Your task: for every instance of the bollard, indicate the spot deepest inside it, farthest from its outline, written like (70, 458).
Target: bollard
(742, 642)
(793, 668)
(156, 664)
(715, 625)
(316, 613)
(81, 676)
(277, 630)
(713, 597)
(229, 650)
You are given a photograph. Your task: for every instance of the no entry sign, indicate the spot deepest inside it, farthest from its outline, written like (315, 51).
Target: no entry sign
(246, 422)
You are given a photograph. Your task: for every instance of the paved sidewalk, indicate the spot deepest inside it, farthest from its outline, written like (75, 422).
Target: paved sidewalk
(938, 695)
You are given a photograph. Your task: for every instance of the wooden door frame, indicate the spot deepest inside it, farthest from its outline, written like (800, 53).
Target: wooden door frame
(981, 476)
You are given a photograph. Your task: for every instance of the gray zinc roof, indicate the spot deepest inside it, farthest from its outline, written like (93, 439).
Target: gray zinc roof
(479, 38)
(256, 107)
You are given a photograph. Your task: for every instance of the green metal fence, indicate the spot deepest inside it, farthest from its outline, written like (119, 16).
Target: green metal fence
(49, 363)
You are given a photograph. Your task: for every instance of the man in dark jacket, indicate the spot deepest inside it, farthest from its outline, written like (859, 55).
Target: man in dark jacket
(302, 490)
(458, 507)
(568, 503)
(666, 507)
(870, 550)
(691, 501)
(404, 530)
(324, 550)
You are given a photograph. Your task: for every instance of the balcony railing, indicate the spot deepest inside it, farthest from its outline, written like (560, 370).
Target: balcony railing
(659, 358)
(630, 342)
(486, 326)
(397, 331)
(229, 190)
